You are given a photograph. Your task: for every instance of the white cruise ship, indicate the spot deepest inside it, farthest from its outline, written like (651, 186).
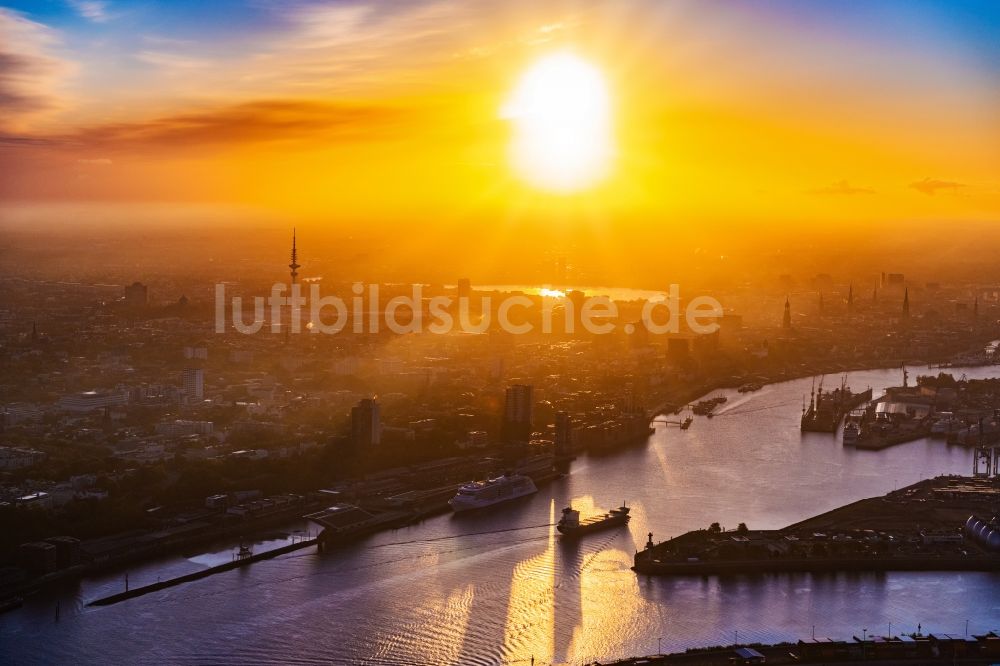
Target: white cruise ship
(481, 494)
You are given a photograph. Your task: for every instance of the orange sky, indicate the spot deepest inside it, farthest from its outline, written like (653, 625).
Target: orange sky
(355, 111)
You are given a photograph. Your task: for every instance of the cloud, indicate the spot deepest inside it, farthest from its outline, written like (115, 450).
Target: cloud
(286, 120)
(930, 186)
(172, 63)
(8, 140)
(97, 161)
(92, 10)
(842, 188)
(29, 73)
(354, 46)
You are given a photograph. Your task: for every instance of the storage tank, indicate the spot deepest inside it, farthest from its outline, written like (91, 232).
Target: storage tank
(983, 532)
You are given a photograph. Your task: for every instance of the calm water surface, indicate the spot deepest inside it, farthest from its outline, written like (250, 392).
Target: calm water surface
(418, 595)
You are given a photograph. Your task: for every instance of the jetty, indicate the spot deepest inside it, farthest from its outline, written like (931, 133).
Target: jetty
(244, 558)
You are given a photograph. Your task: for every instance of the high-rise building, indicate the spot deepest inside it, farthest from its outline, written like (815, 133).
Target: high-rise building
(564, 435)
(517, 413)
(786, 320)
(366, 423)
(193, 383)
(136, 295)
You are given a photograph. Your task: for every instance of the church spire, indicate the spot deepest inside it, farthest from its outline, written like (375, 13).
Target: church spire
(786, 321)
(906, 302)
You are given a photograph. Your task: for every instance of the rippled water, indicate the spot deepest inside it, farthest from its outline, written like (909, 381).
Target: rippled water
(415, 595)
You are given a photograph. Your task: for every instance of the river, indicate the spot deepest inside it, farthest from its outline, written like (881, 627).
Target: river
(423, 595)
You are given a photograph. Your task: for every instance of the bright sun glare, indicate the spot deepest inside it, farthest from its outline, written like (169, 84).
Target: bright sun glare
(561, 112)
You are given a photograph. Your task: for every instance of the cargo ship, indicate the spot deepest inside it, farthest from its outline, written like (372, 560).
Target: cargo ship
(570, 524)
(615, 434)
(827, 410)
(706, 407)
(851, 434)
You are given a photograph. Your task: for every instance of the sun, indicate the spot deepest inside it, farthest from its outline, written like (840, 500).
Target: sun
(561, 116)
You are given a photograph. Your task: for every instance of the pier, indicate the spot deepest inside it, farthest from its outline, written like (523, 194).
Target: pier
(243, 559)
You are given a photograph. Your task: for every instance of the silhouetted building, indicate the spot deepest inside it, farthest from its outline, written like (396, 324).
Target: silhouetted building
(193, 383)
(136, 295)
(906, 303)
(38, 557)
(517, 413)
(786, 320)
(564, 435)
(893, 279)
(850, 297)
(67, 550)
(366, 423)
(90, 400)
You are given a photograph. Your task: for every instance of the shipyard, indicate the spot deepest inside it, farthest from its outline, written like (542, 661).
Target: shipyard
(942, 524)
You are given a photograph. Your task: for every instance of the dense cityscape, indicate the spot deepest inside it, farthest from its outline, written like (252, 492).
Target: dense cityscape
(141, 429)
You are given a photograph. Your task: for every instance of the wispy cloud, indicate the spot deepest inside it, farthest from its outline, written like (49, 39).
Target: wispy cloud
(355, 46)
(92, 10)
(930, 186)
(172, 63)
(842, 188)
(29, 72)
(250, 123)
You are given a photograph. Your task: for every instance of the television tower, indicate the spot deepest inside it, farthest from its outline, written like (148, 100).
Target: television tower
(294, 267)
